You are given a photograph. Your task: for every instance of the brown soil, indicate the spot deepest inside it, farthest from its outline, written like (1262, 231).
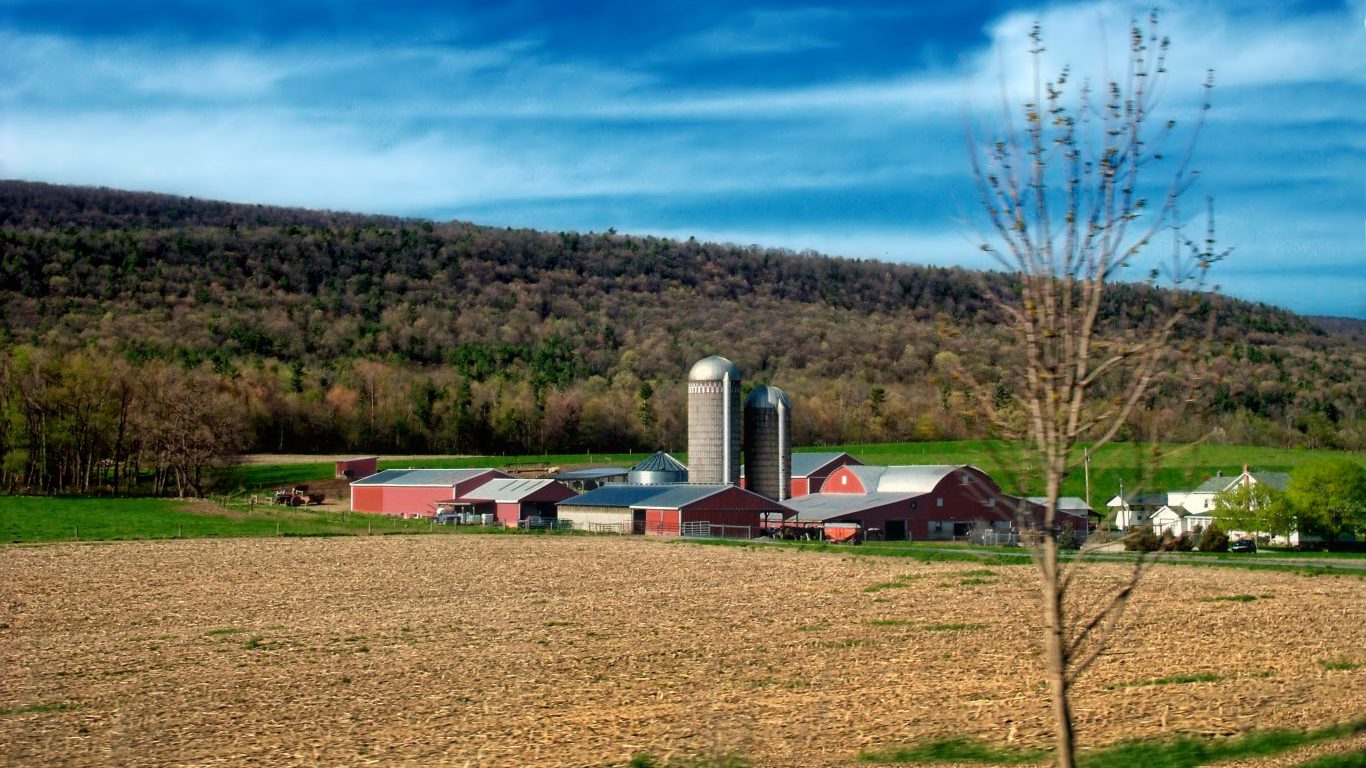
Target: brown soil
(515, 651)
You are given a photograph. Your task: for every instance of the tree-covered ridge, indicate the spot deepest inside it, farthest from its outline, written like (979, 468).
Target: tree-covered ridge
(342, 331)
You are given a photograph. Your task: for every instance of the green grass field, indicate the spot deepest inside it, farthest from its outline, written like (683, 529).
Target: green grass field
(1180, 467)
(56, 518)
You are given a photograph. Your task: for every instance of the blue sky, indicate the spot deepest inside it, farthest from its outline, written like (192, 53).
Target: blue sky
(837, 128)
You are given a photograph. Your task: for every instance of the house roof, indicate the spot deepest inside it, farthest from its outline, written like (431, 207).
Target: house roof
(1216, 484)
(803, 464)
(506, 490)
(824, 506)
(1154, 499)
(421, 477)
(659, 462)
(1277, 480)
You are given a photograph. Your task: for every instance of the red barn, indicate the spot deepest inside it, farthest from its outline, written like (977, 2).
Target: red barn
(414, 492)
(809, 471)
(926, 502)
(516, 499)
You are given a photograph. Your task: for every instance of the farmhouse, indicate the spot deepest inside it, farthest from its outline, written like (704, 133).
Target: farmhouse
(1190, 511)
(670, 509)
(415, 492)
(1131, 510)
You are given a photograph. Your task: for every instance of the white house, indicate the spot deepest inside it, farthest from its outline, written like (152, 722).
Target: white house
(1185, 511)
(1177, 520)
(1133, 510)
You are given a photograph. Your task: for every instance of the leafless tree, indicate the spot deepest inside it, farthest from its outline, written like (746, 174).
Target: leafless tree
(1074, 198)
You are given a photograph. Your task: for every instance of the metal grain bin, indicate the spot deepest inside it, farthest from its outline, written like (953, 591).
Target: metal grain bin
(714, 421)
(768, 443)
(659, 469)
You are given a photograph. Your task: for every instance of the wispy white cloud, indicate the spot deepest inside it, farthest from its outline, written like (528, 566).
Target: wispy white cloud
(757, 32)
(399, 126)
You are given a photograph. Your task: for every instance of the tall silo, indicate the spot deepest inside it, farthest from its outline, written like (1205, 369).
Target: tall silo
(714, 422)
(768, 443)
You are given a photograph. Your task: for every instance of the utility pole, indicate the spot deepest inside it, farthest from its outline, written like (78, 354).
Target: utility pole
(1086, 453)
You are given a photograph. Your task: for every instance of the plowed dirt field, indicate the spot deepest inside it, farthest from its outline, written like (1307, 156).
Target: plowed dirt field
(518, 651)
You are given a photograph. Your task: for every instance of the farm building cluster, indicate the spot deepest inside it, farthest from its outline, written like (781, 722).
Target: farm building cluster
(774, 492)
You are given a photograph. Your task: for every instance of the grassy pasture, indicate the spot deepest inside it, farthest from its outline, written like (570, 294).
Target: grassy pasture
(61, 518)
(515, 651)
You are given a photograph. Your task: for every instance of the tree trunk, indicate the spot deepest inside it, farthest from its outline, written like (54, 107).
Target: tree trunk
(1055, 661)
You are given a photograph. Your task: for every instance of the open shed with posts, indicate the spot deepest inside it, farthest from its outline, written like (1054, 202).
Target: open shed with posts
(514, 500)
(671, 510)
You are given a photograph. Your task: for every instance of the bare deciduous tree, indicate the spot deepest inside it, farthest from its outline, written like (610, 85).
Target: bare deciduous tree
(1070, 207)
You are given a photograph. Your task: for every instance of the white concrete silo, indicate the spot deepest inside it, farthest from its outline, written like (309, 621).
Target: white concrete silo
(714, 417)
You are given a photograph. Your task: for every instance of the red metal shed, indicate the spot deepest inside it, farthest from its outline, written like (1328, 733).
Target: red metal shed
(414, 492)
(356, 469)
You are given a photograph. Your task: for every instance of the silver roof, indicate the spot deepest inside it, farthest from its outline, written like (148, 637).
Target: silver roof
(421, 477)
(506, 490)
(713, 368)
(1064, 502)
(659, 461)
(915, 479)
(767, 397)
(824, 506)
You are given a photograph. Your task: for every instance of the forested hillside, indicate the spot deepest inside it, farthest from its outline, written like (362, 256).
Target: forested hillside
(316, 331)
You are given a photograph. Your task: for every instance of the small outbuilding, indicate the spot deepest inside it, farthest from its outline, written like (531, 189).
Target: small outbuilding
(355, 469)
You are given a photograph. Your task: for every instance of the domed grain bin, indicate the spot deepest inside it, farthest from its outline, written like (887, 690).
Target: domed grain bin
(768, 443)
(659, 469)
(714, 421)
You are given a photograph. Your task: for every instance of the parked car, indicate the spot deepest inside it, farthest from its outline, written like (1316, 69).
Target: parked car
(448, 518)
(1243, 545)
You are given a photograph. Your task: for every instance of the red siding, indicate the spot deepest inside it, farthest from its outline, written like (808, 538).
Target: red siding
(509, 513)
(357, 469)
(367, 498)
(800, 487)
(843, 481)
(661, 522)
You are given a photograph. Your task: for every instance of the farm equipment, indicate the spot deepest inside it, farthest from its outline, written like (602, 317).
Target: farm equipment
(297, 496)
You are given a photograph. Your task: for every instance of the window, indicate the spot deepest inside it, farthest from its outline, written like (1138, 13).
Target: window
(913, 505)
(844, 479)
(991, 502)
(939, 501)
